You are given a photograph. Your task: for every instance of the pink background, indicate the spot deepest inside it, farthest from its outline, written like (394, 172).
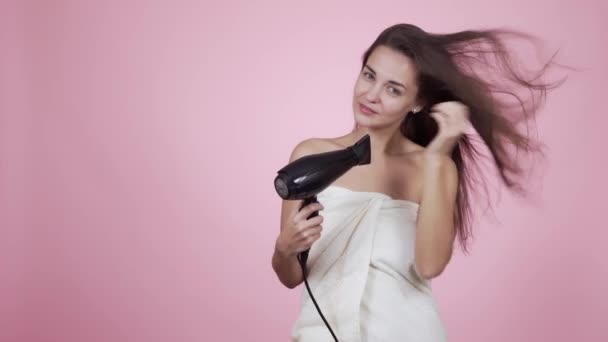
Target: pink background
(125, 126)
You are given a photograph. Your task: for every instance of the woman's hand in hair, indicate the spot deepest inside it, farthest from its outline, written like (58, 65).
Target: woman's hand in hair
(453, 120)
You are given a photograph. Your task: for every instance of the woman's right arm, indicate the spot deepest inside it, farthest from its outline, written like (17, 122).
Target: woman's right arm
(297, 233)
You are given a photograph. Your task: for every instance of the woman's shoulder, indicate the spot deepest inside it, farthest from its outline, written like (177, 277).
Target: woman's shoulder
(316, 145)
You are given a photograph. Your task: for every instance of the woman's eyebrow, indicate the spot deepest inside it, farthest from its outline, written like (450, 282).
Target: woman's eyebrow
(391, 81)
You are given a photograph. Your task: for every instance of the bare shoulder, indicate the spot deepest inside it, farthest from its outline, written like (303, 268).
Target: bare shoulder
(314, 146)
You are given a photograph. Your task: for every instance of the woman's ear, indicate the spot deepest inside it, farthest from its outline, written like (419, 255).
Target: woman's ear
(420, 104)
(418, 108)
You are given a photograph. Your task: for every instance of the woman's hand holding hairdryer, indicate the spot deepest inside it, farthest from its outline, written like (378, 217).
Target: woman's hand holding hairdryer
(301, 231)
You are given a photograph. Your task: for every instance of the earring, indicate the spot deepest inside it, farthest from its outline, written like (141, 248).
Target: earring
(415, 110)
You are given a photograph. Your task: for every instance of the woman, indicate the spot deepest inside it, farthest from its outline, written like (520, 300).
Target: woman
(389, 227)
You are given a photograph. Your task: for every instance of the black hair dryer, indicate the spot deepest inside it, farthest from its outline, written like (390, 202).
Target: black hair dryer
(305, 177)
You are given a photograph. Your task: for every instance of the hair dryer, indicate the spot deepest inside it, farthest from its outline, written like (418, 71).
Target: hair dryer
(305, 177)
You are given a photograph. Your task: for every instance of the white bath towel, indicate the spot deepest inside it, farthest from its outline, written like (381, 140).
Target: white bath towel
(362, 275)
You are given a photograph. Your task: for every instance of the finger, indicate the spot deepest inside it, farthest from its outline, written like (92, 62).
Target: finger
(441, 107)
(313, 221)
(305, 245)
(448, 104)
(306, 234)
(302, 226)
(314, 229)
(308, 242)
(296, 207)
(303, 248)
(441, 120)
(444, 114)
(313, 238)
(306, 211)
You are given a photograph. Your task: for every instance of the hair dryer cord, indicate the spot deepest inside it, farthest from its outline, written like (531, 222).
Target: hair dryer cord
(302, 262)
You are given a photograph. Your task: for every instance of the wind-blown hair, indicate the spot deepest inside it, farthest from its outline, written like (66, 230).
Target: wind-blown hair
(477, 69)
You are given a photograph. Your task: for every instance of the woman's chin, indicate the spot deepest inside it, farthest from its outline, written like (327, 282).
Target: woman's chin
(364, 121)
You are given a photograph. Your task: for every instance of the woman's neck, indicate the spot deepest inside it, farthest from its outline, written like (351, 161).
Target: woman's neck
(386, 142)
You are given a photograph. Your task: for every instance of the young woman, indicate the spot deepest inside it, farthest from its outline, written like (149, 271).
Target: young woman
(389, 226)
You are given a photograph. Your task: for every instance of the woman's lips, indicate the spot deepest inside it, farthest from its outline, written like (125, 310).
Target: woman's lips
(366, 110)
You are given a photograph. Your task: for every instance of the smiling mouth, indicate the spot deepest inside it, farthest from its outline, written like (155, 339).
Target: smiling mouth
(366, 110)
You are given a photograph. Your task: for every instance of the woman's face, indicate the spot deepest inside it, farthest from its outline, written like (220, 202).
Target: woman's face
(387, 86)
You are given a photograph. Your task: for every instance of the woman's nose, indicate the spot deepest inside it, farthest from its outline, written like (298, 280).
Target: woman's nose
(372, 94)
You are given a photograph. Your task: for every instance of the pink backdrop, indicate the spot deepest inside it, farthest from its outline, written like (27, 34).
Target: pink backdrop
(124, 125)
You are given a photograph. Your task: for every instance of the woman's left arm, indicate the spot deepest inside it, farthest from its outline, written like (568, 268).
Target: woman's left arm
(435, 231)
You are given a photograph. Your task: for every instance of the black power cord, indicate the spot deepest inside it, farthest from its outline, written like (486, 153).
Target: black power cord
(302, 257)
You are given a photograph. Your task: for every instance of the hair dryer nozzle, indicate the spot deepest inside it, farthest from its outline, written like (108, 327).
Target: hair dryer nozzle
(362, 150)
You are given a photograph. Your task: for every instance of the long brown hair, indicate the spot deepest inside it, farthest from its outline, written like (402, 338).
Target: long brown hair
(476, 68)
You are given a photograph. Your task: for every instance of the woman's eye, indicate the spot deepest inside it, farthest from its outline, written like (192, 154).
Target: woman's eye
(394, 91)
(366, 74)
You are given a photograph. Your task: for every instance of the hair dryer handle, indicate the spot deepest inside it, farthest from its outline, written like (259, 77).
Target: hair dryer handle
(303, 256)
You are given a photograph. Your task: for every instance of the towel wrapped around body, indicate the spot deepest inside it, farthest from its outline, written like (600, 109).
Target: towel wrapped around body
(362, 275)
